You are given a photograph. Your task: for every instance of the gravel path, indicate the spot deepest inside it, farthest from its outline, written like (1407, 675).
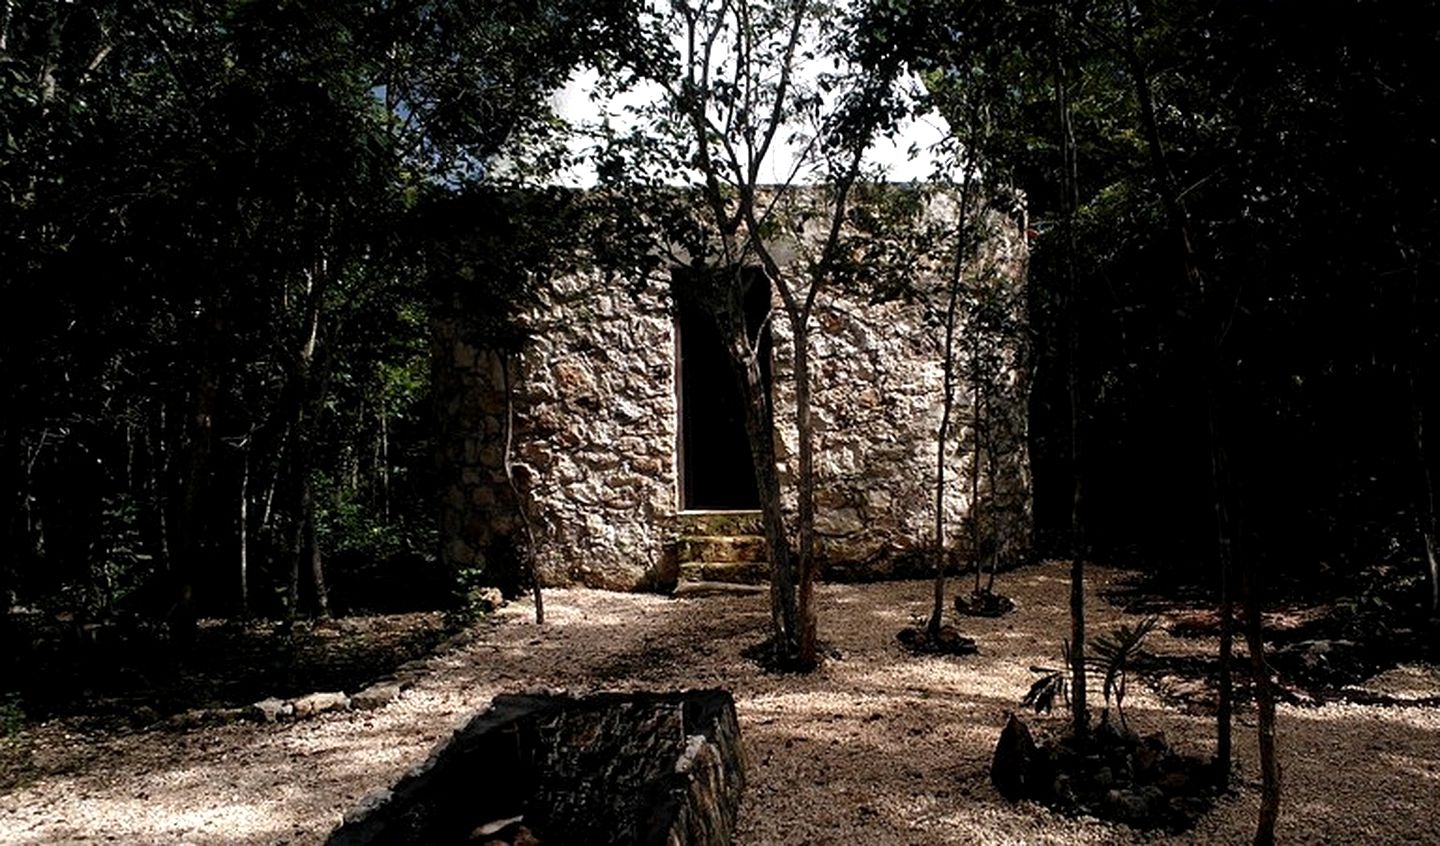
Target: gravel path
(876, 747)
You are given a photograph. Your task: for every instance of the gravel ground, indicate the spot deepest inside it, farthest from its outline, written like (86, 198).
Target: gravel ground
(876, 747)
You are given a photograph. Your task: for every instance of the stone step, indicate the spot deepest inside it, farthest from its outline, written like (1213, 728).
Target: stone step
(721, 548)
(734, 572)
(720, 523)
(688, 589)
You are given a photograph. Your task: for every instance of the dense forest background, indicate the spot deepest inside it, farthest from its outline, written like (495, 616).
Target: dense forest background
(225, 228)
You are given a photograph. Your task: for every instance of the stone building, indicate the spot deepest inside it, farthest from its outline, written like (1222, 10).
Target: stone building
(628, 454)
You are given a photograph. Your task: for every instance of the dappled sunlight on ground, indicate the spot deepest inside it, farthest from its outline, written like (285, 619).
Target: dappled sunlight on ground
(876, 747)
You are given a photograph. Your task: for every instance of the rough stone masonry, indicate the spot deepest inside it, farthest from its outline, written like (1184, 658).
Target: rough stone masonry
(596, 428)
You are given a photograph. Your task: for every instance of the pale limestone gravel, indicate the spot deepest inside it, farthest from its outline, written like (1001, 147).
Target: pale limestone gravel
(877, 747)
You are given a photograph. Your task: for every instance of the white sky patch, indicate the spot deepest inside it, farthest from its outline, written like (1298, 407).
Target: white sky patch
(914, 151)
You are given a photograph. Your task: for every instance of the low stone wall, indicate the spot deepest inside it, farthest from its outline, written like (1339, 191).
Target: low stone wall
(657, 769)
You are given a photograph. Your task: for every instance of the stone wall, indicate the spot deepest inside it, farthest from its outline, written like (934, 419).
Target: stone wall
(877, 388)
(596, 429)
(593, 453)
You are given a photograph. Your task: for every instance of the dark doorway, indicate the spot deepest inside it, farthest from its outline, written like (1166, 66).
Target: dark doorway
(716, 472)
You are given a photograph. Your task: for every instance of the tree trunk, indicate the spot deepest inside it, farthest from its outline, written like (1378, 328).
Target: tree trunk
(383, 460)
(1265, 706)
(785, 617)
(243, 526)
(976, 425)
(303, 406)
(317, 563)
(188, 524)
(942, 438)
(528, 553)
(806, 655)
(1203, 365)
(1224, 711)
(1069, 203)
(991, 462)
(760, 430)
(1428, 522)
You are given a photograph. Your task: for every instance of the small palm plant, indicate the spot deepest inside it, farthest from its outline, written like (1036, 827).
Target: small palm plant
(1053, 684)
(1111, 655)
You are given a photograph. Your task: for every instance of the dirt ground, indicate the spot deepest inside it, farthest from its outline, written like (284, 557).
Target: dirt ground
(876, 747)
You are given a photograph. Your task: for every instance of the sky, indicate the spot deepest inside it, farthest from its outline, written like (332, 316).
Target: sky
(579, 105)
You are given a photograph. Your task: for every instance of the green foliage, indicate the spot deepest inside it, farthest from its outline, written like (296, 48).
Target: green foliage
(12, 715)
(216, 270)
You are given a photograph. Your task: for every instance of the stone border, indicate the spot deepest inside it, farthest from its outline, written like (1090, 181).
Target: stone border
(379, 693)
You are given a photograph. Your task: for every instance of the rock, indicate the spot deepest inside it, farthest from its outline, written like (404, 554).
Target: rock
(1063, 790)
(1154, 797)
(1127, 805)
(375, 696)
(194, 718)
(951, 642)
(1323, 661)
(270, 710)
(410, 672)
(1011, 769)
(486, 600)
(1104, 778)
(984, 603)
(226, 716)
(1150, 754)
(1173, 783)
(144, 716)
(368, 803)
(318, 703)
(948, 641)
(498, 831)
(1112, 734)
(687, 590)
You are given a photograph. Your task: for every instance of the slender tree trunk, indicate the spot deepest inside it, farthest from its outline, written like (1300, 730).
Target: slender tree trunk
(947, 407)
(243, 524)
(1224, 711)
(384, 462)
(1070, 202)
(190, 521)
(520, 509)
(17, 543)
(304, 405)
(317, 562)
(267, 510)
(806, 656)
(1265, 706)
(292, 587)
(983, 398)
(760, 429)
(7, 8)
(158, 490)
(976, 426)
(942, 439)
(1428, 522)
(305, 555)
(1203, 367)
(785, 622)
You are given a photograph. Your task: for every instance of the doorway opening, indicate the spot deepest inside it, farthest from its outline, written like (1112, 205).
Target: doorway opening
(716, 471)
